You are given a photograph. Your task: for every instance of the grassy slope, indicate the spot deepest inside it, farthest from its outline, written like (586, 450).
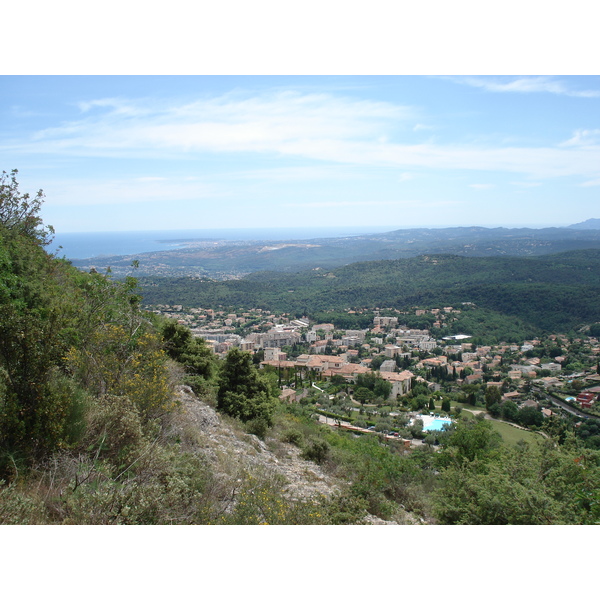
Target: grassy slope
(510, 434)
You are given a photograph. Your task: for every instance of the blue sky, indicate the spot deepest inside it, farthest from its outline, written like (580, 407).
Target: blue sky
(183, 152)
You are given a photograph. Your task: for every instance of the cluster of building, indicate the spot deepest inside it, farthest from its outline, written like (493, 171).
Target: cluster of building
(326, 367)
(327, 352)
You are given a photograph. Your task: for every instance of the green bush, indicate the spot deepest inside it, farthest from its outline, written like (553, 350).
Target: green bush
(76, 401)
(292, 436)
(258, 427)
(316, 450)
(202, 387)
(17, 508)
(114, 431)
(346, 509)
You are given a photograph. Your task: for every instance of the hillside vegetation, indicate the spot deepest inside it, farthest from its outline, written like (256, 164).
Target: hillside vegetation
(553, 293)
(95, 426)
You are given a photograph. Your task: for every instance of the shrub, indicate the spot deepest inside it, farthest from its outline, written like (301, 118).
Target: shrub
(257, 427)
(262, 501)
(317, 450)
(346, 509)
(20, 509)
(162, 486)
(115, 431)
(292, 436)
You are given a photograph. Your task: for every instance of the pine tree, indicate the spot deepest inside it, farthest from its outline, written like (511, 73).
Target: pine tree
(244, 392)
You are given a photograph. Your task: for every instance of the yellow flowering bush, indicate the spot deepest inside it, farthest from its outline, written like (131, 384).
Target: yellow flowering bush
(113, 363)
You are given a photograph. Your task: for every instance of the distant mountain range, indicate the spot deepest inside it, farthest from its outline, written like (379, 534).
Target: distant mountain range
(589, 224)
(228, 259)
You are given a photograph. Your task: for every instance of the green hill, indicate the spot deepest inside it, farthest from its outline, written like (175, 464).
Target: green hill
(553, 293)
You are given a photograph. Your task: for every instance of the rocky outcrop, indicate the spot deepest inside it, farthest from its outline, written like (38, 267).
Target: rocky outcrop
(230, 450)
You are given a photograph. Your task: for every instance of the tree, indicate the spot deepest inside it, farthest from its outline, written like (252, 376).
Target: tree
(495, 410)
(530, 416)
(243, 392)
(376, 362)
(363, 395)
(383, 425)
(416, 429)
(382, 388)
(193, 353)
(338, 380)
(19, 213)
(510, 410)
(35, 401)
(492, 396)
(471, 440)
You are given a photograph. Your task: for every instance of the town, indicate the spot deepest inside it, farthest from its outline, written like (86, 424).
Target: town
(402, 382)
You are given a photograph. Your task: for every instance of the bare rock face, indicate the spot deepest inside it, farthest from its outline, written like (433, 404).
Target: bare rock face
(199, 428)
(202, 415)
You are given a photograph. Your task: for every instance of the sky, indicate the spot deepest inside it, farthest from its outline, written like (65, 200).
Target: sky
(119, 153)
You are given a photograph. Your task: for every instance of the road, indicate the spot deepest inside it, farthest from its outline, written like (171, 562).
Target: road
(567, 407)
(338, 423)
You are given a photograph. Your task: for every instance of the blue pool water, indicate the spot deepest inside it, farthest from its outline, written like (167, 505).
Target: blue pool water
(437, 425)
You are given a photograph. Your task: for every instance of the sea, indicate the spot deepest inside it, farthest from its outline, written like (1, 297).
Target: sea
(75, 245)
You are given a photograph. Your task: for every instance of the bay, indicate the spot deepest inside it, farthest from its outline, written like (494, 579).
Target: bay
(74, 245)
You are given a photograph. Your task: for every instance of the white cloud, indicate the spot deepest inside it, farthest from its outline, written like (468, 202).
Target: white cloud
(584, 137)
(527, 85)
(298, 174)
(117, 191)
(226, 123)
(421, 127)
(118, 106)
(318, 127)
(343, 203)
(542, 162)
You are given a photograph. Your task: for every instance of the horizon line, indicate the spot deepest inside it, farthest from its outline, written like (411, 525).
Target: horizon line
(384, 228)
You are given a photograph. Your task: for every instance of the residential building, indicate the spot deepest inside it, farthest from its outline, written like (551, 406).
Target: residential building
(586, 399)
(401, 382)
(388, 366)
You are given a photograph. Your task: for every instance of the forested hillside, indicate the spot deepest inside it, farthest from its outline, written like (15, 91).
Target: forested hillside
(553, 293)
(66, 337)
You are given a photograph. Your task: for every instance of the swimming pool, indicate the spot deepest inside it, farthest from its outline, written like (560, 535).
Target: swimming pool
(436, 425)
